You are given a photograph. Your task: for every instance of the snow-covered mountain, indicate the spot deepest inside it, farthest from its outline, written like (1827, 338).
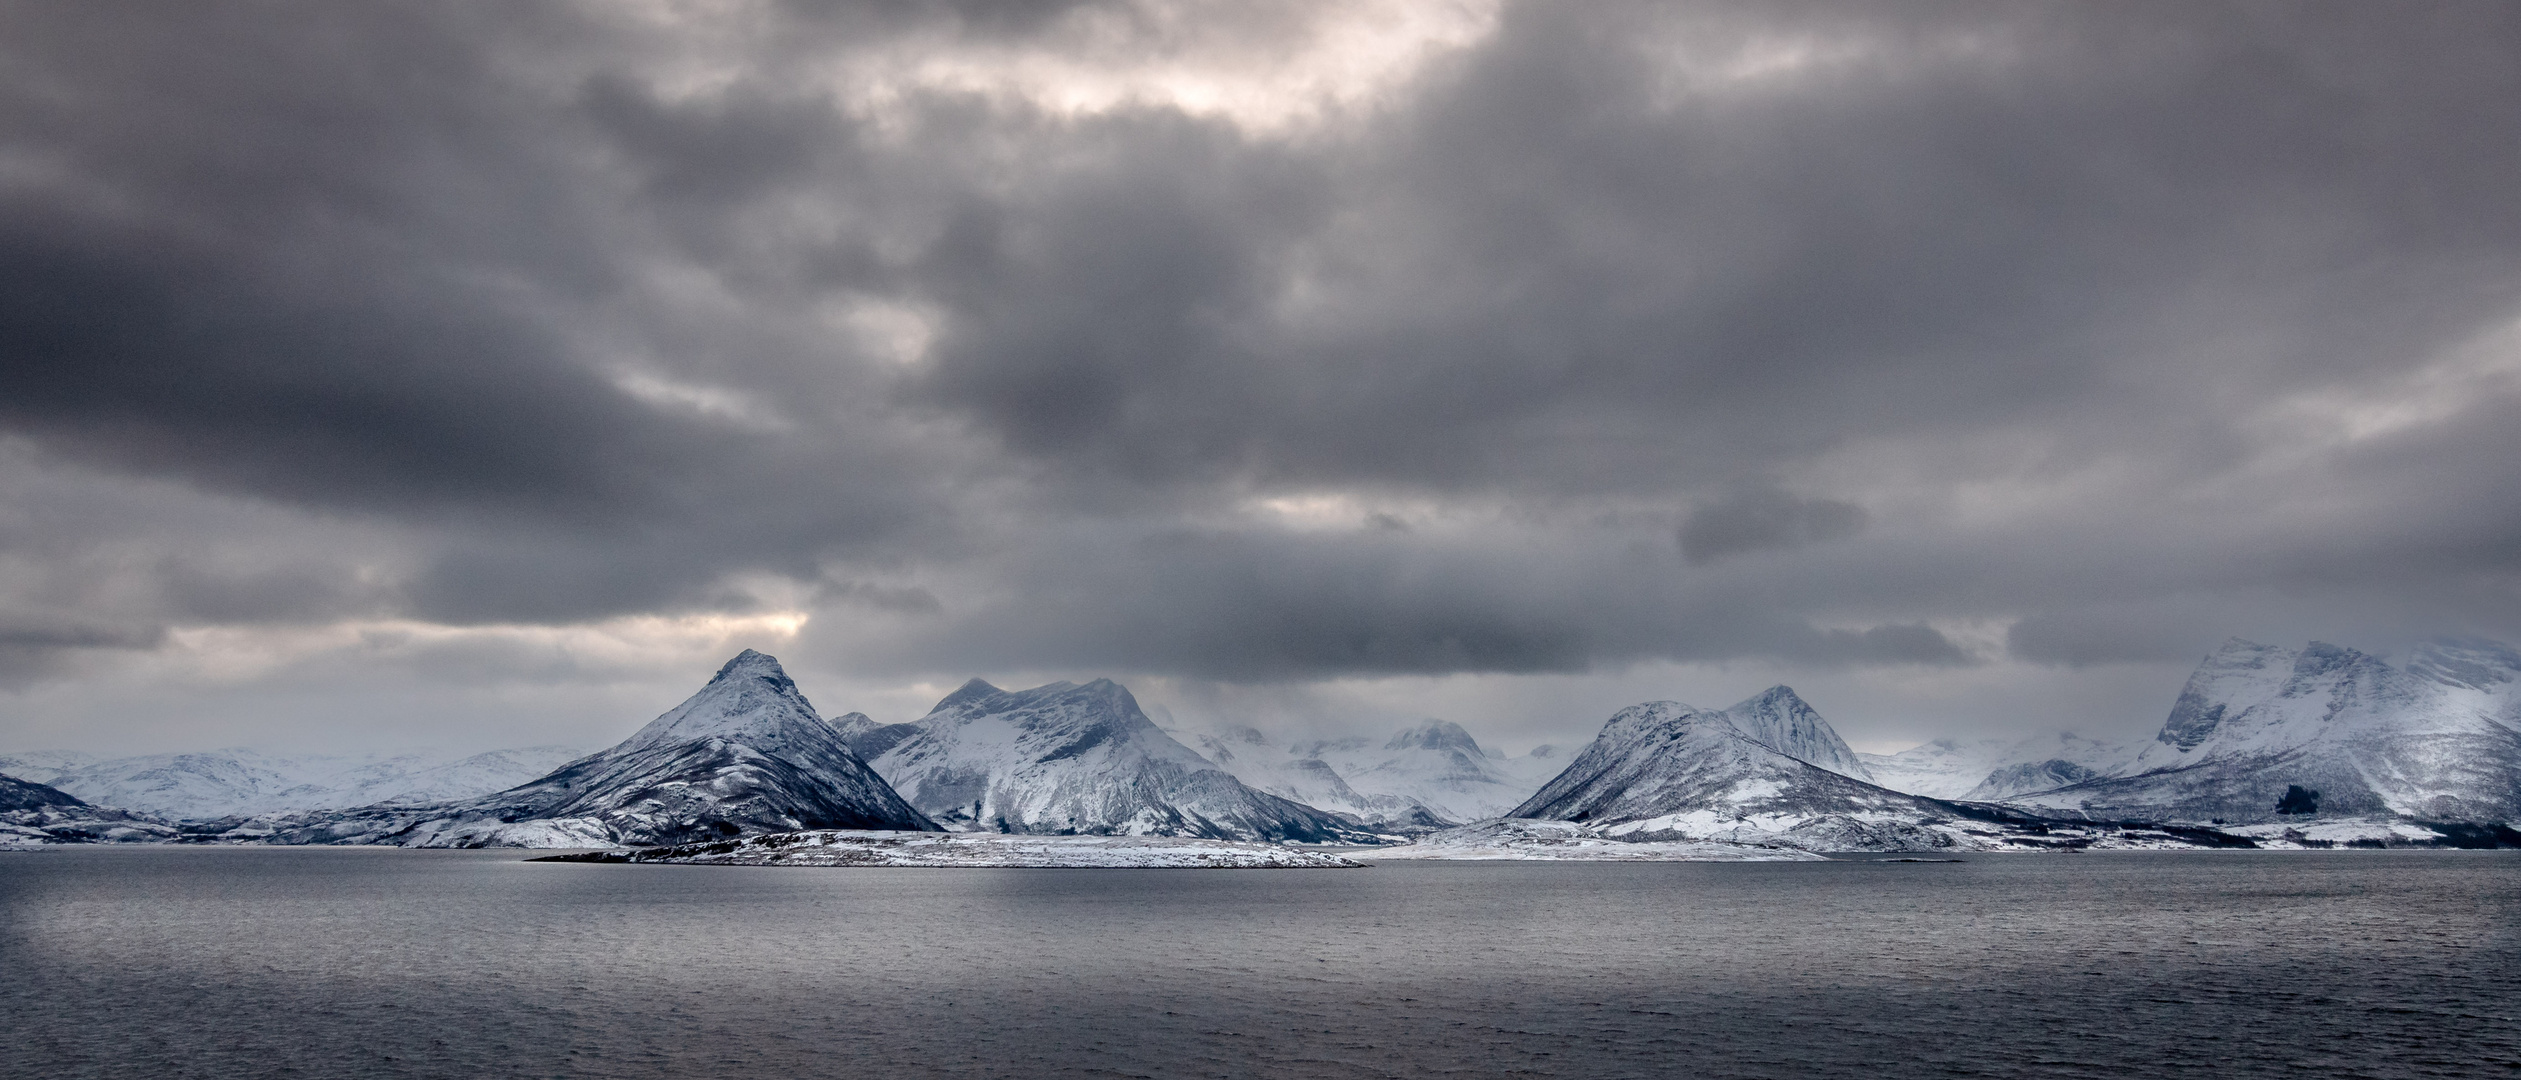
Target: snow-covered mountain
(1425, 777)
(1267, 767)
(1065, 758)
(16, 794)
(747, 754)
(2482, 674)
(33, 814)
(234, 783)
(2257, 722)
(1989, 769)
(1663, 770)
(1780, 719)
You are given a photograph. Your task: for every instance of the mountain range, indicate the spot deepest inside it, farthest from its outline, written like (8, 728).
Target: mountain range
(2315, 744)
(1065, 758)
(1665, 771)
(746, 754)
(1995, 769)
(33, 815)
(241, 782)
(1425, 777)
(2354, 735)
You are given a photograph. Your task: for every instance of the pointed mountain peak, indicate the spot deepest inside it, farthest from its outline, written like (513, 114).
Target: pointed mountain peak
(751, 664)
(749, 700)
(1784, 722)
(971, 691)
(1780, 697)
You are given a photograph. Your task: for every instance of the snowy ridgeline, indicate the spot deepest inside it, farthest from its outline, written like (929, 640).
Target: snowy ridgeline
(1425, 777)
(2267, 737)
(238, 783)
(2265, 746)
(1065, 758)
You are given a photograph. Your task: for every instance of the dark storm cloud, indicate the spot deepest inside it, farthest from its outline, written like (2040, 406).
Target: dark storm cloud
(579, 314)
(30, 651)
(1754, 518)
(1262, 606)
(1579, 287)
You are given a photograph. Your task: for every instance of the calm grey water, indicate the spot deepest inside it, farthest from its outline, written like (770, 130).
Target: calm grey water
(233, 963)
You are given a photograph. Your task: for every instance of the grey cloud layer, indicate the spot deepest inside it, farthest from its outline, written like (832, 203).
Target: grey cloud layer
(1624, 333)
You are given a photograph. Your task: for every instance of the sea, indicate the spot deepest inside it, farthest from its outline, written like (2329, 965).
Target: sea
(236, 963)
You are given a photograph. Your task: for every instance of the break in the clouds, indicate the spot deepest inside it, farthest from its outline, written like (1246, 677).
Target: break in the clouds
(1266, 345)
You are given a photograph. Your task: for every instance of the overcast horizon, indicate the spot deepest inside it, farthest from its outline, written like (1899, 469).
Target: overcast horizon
(478, 376)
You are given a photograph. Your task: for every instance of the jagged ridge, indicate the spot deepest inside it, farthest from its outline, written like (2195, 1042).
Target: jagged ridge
(747, 754)
(2373, 740)
(1065, 758)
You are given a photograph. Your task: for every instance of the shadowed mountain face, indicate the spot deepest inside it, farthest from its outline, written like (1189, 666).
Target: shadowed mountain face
(2431, 742)
(16, 794)
(1065, 758)
(747, 754)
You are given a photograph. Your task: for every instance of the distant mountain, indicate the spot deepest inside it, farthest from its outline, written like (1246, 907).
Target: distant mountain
(1663, 770)
(1299, 776)
(33, 814)
(747, 754)
(868, 739)
(1989, 769)
(2263, 734)
(234, 783)
(1065, 758)
(1424, 777)
(16, 794)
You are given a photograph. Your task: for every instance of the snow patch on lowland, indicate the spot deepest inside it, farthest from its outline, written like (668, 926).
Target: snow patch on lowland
(850, 847)
(1531, 840)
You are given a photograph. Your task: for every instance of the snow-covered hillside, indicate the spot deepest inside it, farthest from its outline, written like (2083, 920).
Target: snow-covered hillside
(1997, 768)
(1782, 721)
(2257, 721)
(2476, 673)
(1065, 758)
(747, 754)
(1424, 777)
(36, 815)
(236, 783)
(1665, 770)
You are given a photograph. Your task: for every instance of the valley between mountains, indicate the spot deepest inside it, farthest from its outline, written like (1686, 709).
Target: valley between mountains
(2319, 746)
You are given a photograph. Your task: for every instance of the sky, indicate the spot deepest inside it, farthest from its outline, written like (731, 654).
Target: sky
(478, 375)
